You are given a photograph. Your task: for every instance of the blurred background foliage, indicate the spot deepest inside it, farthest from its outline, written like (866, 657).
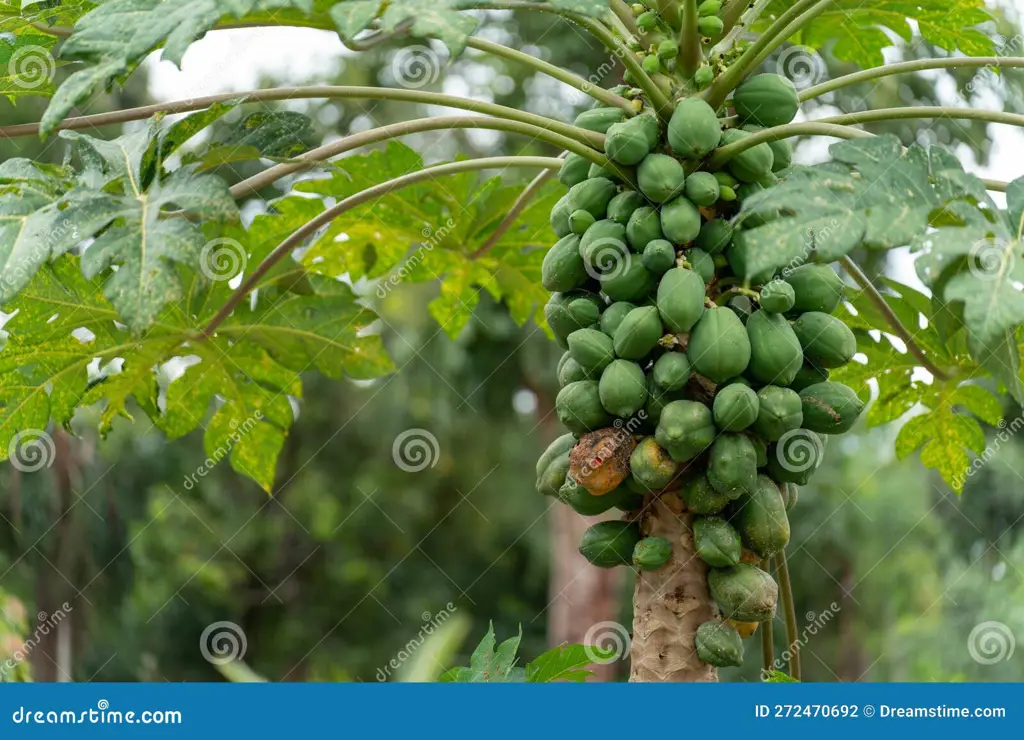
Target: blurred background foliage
(333, 576)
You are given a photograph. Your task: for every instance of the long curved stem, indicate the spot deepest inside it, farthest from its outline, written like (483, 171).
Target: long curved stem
(717, 93)
(513, 213)
(916, 65)
(926, 111)
(804, 128)
(595, 91)
(395, 130)
(690, 54)
(317, 91)
(307, 230)
(865, 284)
(789, 609)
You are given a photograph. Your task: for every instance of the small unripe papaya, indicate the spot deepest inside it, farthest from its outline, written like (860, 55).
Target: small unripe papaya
(710, 26)
(660, 177)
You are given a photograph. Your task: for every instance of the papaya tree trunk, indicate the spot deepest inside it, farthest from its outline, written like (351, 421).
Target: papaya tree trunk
(670, 603)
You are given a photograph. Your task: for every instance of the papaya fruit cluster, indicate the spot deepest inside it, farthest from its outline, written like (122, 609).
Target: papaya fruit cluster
(678, 377)
(660, 55)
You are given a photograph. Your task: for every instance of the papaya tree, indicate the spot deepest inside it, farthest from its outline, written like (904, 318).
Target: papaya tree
(682, 260)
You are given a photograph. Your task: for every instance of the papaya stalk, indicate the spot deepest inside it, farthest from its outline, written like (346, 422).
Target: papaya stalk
(690, 55)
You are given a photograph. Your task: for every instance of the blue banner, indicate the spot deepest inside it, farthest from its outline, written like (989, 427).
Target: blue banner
(424, 711)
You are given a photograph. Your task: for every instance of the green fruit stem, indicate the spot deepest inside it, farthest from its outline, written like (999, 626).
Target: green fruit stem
(307, 230)
(767, 638)
(339, 92)
(926, 111)
(270, 175)
(865, 284)
(723, 297)
(670, 603)
(718, 92)
(690, 55)
(916, 65)
(789, 610)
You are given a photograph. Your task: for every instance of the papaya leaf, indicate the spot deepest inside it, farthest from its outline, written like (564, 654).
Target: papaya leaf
(566, 663)
(271, 135)
(114, 37)
(859, 31)
(432, 231)
(774, 676)
(490, 663)
(945, 439)
(27, 64)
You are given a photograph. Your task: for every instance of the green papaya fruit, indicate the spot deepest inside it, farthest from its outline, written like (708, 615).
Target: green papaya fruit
(644, 226)
(578, 407)
(766, 99)
(584, 309)
(657, 399)
(553, 465)
(631, 500)
(795, 457)
(735, 407)
(701, 498)
(732, 464)
(668, 49)
(739, 253)
(671, 371)
(726, 193)
(703, 77)
(808, 375)
(709, 7)
(685, 429)
(564, 322)
(603, 246)
(792, 495)
(725, 179)
(647, 21)
(651, 466)
(626, 144)
(607, 544)
(613, 316)
(694, 130)
(761, 448)
(583, 502)
(560, 217)
(621, 207)
(592, 195)
(680, 299)
(816, 288)
(623, 388)
(652, 64)
(563, 268)
(702, 263)
(830, 407)
(592, 349)
(638, 333)
(574, 170)
(744, 592)
(718, 643)
(719, 348)
(741, 306)
(612, 171)
(751, 164)
(569, 371)
(651, 553)
(759, 516)
(778, 411)
(827, 341)
(710, 26)
(717, 543)
(659, 256)
(782, 154)
(599, 119)
(701, 189)
(580, 221)
(714, 236)
(775, 352)
(680, 221)
(628, 281)
(660, 178)
(777, 296)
